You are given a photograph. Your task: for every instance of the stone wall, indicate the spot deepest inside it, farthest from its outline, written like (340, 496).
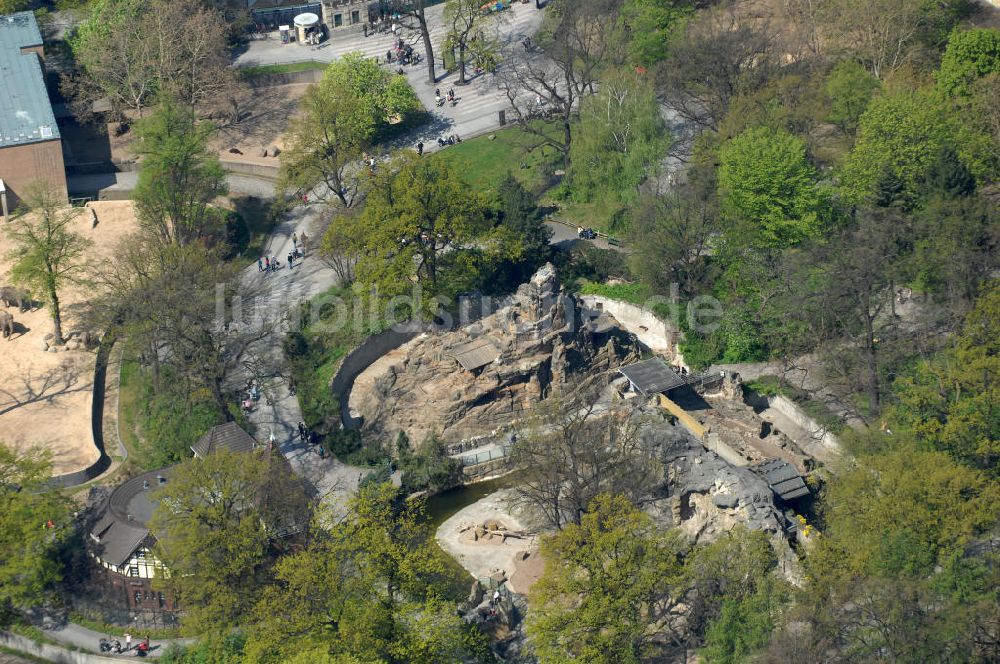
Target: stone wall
(657, 334)
(792, 411)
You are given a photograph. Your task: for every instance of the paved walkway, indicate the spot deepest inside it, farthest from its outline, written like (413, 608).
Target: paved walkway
(278, 294)
(478, 102)
(78, 636)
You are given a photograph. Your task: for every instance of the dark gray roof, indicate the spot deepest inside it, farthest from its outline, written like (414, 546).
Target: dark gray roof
(782, 477)
(475, 354)
(25, 110)
(652, 376)
(229, 435)
(124, 525)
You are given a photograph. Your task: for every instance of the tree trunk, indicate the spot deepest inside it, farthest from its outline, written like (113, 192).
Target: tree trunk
(428, 47)
(56, 317)
(220, 400)
(872, 367)
(567, 138)
(461, 63)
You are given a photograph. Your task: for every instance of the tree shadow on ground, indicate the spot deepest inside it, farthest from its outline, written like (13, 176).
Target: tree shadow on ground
(42, 387)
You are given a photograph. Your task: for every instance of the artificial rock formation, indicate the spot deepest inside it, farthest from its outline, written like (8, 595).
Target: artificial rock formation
(472, 381)
(708, 497)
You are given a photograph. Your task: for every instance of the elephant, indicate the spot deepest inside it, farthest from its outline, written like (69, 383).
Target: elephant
(7, 324)
(10, 296)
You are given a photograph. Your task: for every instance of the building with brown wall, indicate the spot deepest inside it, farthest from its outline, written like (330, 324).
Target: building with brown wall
(30, 145)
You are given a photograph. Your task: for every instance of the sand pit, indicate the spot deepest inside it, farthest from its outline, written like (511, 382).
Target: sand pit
(45, 397)
(264, 128)
(485, 537)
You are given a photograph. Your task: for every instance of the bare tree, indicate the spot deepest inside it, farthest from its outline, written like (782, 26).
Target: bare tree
(468, 31)
(878, 32)
(726, 51)
(544, 83)
(569, 453)
(129, 53)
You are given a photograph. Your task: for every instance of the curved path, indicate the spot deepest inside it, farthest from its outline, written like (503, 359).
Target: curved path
(277, 295)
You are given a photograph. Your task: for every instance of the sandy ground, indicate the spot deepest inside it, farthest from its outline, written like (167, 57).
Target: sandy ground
(45, 397)
(487, 555)
(264, 128)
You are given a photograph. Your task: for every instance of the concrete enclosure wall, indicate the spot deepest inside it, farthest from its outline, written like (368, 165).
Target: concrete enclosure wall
(51, 653)
(656, 333)
(255, 170)
(285, 78)
(696, 428)
(360, 359)
(96, 421)
(792, 411)
(21, 165)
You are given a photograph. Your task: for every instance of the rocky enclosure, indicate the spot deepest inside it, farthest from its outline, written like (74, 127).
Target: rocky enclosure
(471, 381)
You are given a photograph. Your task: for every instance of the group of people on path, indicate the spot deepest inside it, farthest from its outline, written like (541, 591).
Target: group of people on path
(271, 263)
(308, 436)
(115, 647)
(452, 99)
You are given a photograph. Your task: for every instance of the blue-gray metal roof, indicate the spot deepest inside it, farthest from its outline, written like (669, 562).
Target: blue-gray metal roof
(25, 111)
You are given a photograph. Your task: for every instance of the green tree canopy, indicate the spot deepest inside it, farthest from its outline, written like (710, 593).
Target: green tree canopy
(849, 88)
(948, 403)
(417, 213)
(970, 55)
(179, 176)
(606, 588)
(769, 188)
(650, 25)
(48, 254)
(899, 136)
(620, 141)
(216, 523)
(366, 587)
(383, 96)
(34, 525)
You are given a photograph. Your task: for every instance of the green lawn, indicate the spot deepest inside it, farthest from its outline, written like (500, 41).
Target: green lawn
(288, 68)
(129, 396)
(484, 161)
(637, 294)
(602, 214)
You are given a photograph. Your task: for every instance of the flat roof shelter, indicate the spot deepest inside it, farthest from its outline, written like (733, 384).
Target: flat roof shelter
(781, 476)
(475, 354)
(652, 376)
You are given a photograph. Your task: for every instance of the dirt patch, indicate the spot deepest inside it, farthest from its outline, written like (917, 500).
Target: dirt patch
(45, 397)
(263, 126)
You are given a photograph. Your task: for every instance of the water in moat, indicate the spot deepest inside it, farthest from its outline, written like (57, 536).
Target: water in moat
(444, 505)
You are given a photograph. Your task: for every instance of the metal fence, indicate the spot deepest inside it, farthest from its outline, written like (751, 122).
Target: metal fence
(484, 456)
(104, 612)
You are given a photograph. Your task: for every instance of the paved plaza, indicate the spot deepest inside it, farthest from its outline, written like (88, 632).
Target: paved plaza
(477, 110)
